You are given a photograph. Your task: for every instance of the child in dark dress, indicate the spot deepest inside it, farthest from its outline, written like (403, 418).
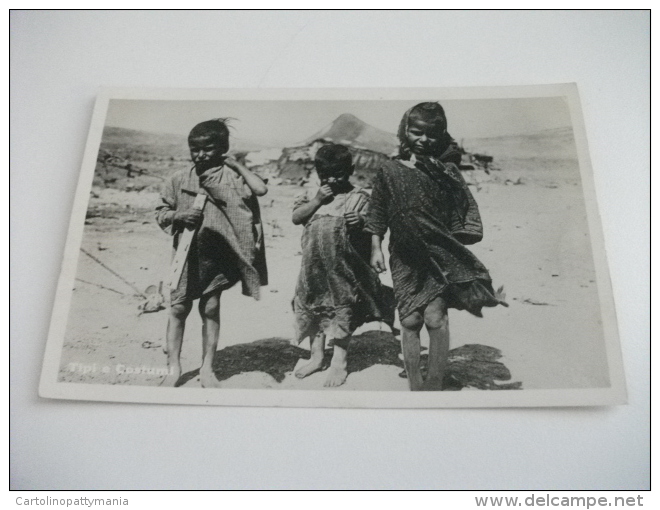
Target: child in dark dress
(424, 201)
(227, 246)
(337, 291)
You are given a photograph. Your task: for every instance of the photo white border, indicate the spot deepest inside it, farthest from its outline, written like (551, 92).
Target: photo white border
(49, 387)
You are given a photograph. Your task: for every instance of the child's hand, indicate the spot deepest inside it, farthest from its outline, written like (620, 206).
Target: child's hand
(190, 218)
(232, 163)
(353, 219)
(260, 236)
(378, 261)
(325, 194)
(253, 181)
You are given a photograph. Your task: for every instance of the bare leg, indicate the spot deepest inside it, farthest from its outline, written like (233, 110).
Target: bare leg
(209, 309)
(437, 324)
(337, 372)
(317, 348)
(410, 344)
(176, 324)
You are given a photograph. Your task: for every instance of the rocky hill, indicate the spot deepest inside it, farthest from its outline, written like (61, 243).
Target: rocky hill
(348, 130)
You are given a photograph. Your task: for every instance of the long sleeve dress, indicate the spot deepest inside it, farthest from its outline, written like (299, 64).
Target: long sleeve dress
(431, 214)
(337, 290)
(228, 246)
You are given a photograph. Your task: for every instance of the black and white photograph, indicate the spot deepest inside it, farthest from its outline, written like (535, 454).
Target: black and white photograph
(316, 249)
(326, 248)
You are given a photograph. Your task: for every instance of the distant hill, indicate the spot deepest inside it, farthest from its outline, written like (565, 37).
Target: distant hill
(348, 130)
(557, 144)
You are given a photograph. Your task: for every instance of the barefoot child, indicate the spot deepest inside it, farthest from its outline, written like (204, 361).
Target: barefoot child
(425, 203)
(227, 248)
(337, 291)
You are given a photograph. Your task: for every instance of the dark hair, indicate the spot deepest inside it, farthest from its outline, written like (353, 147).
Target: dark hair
(215, 128)
(332, 159)
(430, 112)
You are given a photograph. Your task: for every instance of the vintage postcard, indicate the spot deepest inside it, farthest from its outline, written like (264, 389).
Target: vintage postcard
(380, 248)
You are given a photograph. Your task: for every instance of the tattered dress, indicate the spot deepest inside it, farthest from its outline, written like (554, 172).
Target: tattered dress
(228, 246)
(337, 290)
(431, 214)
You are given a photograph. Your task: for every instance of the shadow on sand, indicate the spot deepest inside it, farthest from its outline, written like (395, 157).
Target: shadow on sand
(469, 365)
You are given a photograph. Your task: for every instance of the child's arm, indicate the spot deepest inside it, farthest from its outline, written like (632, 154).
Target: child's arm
(166, 209)
(377, 257)
(259, 228)
(258, 224)
(303, 213)
(171, 220)
(354, 219)
(188, 218)
(253, 181)
(356, 215)
(377, 223)
(168, 217)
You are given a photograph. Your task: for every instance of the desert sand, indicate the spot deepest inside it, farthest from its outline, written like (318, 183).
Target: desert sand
(536, 245)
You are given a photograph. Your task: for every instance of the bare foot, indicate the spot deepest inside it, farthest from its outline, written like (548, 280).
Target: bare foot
(208, 379)
(171, 378)
(336, 376)
(337, 372)
(314, 365)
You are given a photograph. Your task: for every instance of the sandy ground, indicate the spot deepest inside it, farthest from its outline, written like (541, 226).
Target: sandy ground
(536, 244)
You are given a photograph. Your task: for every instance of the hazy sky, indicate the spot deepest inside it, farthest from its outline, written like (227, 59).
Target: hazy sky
(280, 123)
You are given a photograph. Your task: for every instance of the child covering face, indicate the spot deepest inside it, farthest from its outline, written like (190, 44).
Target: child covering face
(337, 291)
(227, 246)
(424, 201)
